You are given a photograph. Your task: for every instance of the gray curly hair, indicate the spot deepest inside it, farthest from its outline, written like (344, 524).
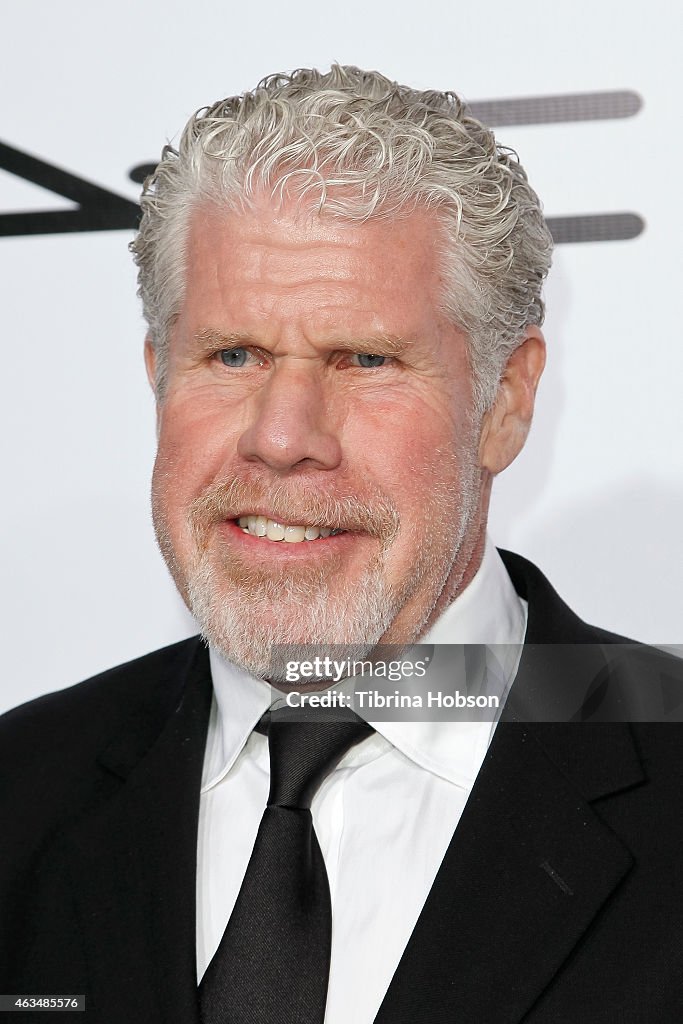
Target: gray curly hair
(357, 145)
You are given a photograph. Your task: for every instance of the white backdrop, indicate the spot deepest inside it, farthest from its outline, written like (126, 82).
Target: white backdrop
(597, 497)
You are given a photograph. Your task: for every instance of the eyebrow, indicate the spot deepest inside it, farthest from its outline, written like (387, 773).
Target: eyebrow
(209, 340)
(390, 344)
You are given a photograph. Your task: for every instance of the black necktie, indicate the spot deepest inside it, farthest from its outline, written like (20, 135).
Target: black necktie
(272, 964)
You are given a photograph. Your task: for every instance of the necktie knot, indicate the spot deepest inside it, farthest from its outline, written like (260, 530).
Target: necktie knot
(305, 747)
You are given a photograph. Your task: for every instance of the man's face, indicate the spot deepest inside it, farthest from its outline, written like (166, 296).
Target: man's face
(314, 384)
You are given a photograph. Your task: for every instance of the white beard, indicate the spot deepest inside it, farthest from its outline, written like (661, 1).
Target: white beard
(247, 626)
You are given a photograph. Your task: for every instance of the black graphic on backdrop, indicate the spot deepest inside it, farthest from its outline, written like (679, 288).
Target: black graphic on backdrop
(99, 209)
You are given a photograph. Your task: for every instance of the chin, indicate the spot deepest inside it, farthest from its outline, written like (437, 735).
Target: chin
(250, 628)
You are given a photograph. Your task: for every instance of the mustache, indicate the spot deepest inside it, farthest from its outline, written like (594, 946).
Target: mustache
(374, 515)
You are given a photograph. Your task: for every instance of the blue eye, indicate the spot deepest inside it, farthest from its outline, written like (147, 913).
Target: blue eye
(233, 356)
(368, 361)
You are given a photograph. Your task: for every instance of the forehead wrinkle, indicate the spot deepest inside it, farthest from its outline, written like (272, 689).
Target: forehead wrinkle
(259, 281)
(295, 266)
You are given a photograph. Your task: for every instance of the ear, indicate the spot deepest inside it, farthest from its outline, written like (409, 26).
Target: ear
(507, 423)
(151, 364)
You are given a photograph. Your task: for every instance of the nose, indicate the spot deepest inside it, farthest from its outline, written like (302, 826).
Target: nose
(291, 424)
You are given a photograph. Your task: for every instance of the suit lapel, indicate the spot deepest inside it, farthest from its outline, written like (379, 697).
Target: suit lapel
(531, 863)
(133, 864)
(528, 868)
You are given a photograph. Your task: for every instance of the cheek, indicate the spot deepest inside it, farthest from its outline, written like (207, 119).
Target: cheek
(414, 448)
(195, 441)
(419, 471)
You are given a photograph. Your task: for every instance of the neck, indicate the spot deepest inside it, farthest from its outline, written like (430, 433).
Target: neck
(471, 555)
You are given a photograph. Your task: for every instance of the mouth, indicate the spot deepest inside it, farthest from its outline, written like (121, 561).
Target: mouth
(280, 532)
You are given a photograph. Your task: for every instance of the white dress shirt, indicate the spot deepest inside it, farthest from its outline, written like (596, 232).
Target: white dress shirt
(384, 817)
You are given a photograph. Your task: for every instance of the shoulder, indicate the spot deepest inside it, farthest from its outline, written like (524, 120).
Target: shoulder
(53, 750)
(71, 725)
(551, 620)
(58, 766)
(567, 660)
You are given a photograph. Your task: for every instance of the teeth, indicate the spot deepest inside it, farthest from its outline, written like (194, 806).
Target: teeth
(275, 531)
(261, 526)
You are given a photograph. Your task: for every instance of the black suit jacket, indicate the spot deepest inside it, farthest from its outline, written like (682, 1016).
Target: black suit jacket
(560, 898)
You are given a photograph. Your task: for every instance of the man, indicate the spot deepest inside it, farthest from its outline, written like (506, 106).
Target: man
(342, 279)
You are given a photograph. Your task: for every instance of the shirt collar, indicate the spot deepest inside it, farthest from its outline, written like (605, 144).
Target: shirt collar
(488, 611)
(239, 702)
